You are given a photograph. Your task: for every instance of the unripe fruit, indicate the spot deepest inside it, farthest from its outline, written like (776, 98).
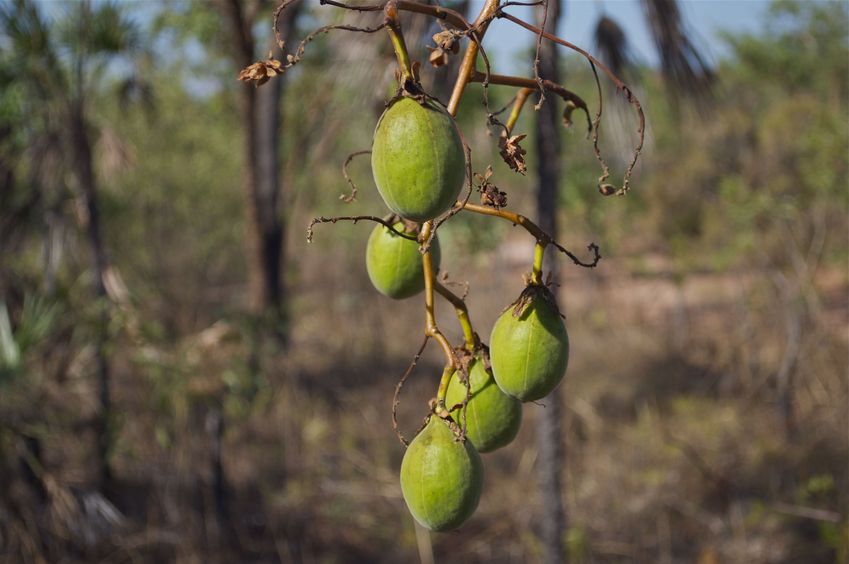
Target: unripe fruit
(529, 352)
(492, 417)
(441, 479)
(417, 159)
(394, 263)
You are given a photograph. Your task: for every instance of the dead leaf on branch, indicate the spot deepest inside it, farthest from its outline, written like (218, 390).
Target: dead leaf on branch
(567, 113)
(261, 71)
(490, 194)
(493, 197)
(512, 153)
(446, 44)
(447, 40)
(438, 57)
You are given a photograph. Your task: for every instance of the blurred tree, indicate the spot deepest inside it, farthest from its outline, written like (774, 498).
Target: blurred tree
(57, 67)
(548, 168)
(235, 38)
(682, 66)
(261, 120)
(686, 72)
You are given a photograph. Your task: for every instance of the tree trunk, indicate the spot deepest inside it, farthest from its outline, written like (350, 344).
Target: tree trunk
(261, 119)
(84, 172)
(549, 432)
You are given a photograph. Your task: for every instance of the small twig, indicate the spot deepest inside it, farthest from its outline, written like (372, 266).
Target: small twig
(620, 86)
(470, 337)
(549, 85)
(348, 198)
(505, 107)
(535, 230)
(467, 151)
(467, 66)
(355, 218)
(396, 398)
(278, 11)
(366, 8)
(537, 57)
(592, 247)
(519, 103)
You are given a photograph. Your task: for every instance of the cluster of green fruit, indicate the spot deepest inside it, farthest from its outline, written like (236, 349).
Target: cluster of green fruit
(419, 168)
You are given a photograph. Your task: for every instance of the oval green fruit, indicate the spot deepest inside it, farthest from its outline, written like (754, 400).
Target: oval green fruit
(394, 263)
(529, 352)
(492, 417)
(417, 159)
(441, 479)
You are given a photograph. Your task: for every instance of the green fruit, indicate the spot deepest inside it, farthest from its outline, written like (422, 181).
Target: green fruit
(394, 263)
(492, 417)
(417, 159)
(441, 479)
(529, 352)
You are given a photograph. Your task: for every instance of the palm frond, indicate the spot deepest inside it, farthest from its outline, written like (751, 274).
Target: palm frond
(22, 28)
(612, 46)
(101, 30)
(683, 67)
(10, 352)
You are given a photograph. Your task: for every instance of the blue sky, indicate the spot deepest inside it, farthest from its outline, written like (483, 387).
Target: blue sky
(705, 18)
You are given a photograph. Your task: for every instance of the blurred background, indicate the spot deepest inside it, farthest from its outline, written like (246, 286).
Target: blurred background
(184, 379)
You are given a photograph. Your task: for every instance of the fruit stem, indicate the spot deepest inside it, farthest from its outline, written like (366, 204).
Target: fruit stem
(470, 57)
(518, 104)
(462, 315)
(440, 409)
(393, 26)
(536, 273)
(512, 217)
(431, 329)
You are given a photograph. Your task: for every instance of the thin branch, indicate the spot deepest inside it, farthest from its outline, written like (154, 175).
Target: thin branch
(532, 228)
(471, 339)
(549, 85)
(537, 56)
(348, 198)
(518, 103)
(444, 14)
(355, 219)
(621, 86)
(467, 67)
(278, 11)
(431, 328)
(396, 398)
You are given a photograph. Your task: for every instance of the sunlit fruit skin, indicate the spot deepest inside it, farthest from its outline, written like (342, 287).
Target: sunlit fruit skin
(417, 159)
(441, 479)
(492, 417)
(394, 263)
(529, 353)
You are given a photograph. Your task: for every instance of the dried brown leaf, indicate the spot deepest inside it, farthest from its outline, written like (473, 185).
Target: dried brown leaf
(438, 57)
(447, 41)
(261, 71)
(493, 197)
(512, 153)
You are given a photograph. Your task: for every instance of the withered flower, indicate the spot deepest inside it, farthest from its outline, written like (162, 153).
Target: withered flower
(446, 43)
(512, 153)
(261, 71)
